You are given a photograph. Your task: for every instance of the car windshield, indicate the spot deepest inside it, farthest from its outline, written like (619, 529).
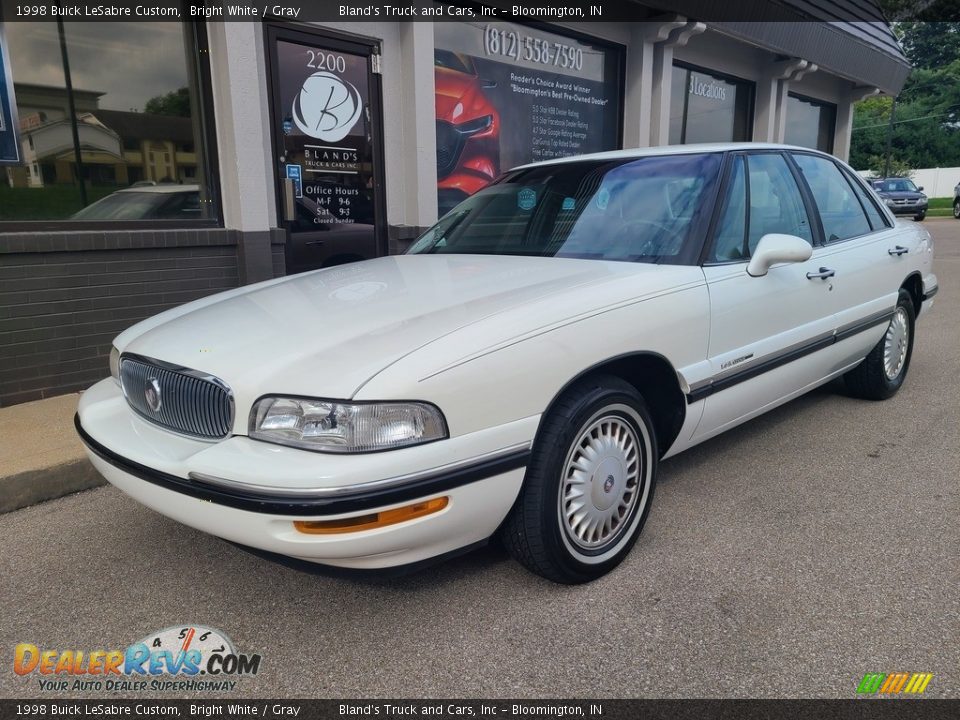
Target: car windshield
(897, 185)
(140, 205)
(453, 61)
(636, 210)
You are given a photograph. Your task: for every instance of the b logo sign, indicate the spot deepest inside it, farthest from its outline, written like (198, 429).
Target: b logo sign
(327, 107)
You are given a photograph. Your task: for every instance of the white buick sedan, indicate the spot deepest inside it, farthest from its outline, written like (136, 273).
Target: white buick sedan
(524, 368)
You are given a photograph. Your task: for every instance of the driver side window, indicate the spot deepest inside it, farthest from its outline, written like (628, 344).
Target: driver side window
(762, 198)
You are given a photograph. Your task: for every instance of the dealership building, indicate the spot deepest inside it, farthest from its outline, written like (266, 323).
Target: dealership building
(149, 163)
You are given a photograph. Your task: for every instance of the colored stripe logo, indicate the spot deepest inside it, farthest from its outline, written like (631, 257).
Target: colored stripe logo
(894, 683)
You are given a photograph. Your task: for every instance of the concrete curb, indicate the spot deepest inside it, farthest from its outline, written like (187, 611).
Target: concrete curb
(36, 486)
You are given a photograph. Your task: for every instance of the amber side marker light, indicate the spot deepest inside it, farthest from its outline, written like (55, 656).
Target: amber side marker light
(373, 520)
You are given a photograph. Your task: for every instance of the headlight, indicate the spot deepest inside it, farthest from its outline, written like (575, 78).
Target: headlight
(115, 364)
(472, 127)
(333, 426)
(890, 202)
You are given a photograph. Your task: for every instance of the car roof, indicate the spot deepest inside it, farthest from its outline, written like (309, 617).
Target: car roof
(164, 188)
(671, 150)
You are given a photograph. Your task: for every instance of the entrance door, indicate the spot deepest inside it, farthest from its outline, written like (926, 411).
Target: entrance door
(327, 142)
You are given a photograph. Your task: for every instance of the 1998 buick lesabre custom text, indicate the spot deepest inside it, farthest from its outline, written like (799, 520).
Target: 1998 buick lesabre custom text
(523, 368)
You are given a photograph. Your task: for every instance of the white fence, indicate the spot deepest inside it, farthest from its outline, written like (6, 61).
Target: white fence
(936, 182)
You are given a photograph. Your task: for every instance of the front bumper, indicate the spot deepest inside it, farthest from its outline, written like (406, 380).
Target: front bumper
(908, 209)
(176, 477)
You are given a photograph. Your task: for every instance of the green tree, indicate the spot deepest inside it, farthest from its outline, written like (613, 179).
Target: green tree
(176, 102)
(926, 130)
(930, 45)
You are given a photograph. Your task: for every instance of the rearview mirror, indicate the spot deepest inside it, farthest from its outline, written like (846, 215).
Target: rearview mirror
(777, 248)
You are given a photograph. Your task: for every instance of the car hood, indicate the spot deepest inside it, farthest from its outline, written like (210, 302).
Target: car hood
(901, 195)
(327, 332)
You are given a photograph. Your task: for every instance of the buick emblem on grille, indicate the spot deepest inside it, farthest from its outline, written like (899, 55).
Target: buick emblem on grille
(152, 395)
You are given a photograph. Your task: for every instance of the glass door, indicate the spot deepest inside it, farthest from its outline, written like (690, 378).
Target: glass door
(327, 138)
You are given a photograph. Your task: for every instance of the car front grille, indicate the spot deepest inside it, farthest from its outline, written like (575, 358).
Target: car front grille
(449, 146)
(179, 399)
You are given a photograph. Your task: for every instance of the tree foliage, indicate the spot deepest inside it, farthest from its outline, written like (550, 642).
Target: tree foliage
(926, 130)
(176, 102)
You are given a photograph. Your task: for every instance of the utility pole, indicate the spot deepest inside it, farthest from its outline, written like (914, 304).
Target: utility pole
(886, 165)
(77, 155)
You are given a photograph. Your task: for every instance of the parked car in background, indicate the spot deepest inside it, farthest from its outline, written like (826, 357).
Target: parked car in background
(902, 196)
(146, 202)
(524, 368)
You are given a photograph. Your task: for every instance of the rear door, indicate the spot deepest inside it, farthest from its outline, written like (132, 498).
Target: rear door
(765, 332)
(858, 240)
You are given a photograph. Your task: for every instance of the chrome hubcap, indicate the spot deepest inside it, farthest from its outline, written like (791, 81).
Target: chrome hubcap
(601, 482)
(895, 344)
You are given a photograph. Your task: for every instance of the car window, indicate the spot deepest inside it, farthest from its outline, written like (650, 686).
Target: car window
(730, 236)
(636, 210)
(125, 205)
(775, 203)
(180, 206)
(876, 218)
(841, 213)
(896, 185)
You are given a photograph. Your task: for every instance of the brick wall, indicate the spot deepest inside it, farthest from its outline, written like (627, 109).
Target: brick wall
(65, 296)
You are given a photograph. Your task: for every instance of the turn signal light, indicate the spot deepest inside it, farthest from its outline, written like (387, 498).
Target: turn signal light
(373, 520)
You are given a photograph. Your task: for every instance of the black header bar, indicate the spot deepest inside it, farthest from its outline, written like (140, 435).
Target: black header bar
(464, 10)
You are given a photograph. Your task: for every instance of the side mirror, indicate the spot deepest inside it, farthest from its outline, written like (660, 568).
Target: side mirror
(920, 188)
(777, 248)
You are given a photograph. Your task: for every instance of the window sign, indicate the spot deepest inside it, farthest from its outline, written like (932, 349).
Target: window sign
(9, 142)
(508, 94)
(708, 108)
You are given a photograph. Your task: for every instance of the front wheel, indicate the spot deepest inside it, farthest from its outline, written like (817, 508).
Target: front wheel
(956, 209)
(883, 371)
(589, 483)
(920, 216)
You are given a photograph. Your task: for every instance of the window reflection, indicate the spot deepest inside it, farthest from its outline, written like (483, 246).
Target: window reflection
(116, 107)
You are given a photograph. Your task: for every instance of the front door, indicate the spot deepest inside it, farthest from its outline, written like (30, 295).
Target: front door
(327, 142)
(767, 333)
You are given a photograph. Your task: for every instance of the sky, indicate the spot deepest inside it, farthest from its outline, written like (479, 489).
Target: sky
(129, 62)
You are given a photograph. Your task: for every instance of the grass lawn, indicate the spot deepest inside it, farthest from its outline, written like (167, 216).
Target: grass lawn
(940, 207)
(53, 202)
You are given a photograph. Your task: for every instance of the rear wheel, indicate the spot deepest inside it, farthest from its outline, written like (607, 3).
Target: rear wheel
(883, 371)
(588, 486)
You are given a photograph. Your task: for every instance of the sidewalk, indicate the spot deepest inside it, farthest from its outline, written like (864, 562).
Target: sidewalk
(41, 457)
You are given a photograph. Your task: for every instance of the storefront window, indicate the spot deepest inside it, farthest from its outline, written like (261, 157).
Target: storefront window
(810, 123)
(705, 107)
(509, 94)
(110, 124)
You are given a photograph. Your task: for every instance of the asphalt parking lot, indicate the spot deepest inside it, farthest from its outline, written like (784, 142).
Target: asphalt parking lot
(784, 559)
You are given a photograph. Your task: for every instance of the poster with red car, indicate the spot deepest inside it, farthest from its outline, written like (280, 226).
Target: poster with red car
(509, 94)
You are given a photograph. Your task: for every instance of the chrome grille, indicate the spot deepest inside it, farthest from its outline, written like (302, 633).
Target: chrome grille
(188, 401)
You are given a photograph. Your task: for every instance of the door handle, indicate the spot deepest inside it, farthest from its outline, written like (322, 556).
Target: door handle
(289, 201)
(898, 250)
(824, 273)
